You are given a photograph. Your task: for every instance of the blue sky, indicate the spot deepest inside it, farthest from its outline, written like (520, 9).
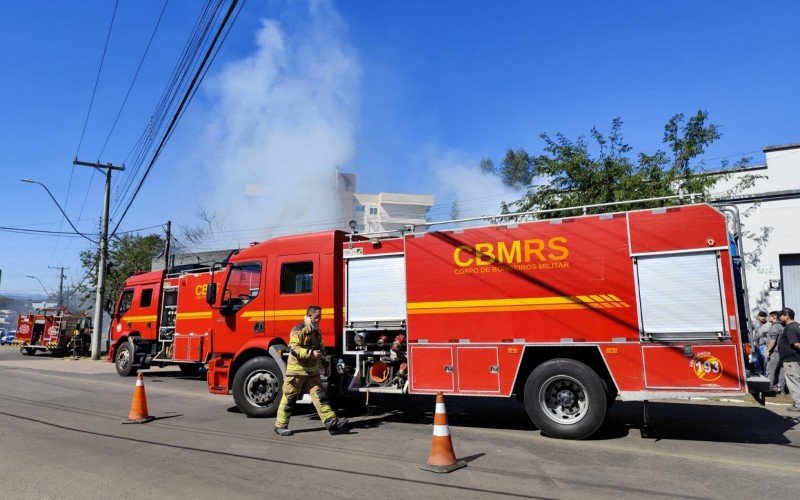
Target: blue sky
(408, 95)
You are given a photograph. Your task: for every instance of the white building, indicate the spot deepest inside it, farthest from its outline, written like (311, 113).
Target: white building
(771, 209)
(390, 211)
(383, 211)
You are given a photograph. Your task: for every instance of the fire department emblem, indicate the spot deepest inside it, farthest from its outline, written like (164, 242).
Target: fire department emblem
(53, 330)
(706, 366)
(24, 329)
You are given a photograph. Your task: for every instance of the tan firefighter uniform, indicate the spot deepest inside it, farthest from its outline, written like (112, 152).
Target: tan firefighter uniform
(302, 374)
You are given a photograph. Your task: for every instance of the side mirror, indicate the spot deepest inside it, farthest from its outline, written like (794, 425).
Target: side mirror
(211, 294)
(109, 306)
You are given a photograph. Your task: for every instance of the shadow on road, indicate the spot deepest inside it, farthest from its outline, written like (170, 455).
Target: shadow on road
(668, 420)
(705, 422)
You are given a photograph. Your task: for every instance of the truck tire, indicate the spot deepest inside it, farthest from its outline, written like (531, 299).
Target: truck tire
(123, 360)
(27, 351)
(565, 399)
(257, 387)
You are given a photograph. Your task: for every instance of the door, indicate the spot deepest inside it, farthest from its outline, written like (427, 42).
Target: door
(790, 280)
(478, 370)
(188, 347)
(431, 368)
(241, 313)
(297, 288)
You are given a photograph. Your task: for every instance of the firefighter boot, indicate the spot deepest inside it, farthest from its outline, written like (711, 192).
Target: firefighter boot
(283, 431)
(336, 425)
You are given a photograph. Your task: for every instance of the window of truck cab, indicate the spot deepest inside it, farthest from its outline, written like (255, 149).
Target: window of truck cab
(297, 277)
(125, 302)
(243, 285)
(146, 298)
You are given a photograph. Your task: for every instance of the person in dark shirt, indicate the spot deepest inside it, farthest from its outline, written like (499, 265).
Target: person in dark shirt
(774, 368)
(789, 350)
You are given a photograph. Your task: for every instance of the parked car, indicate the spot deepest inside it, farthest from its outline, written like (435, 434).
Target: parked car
(8, 337)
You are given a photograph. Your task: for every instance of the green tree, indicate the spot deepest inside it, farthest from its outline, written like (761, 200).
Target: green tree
(516, 169)
(571, 173)
(487, 166)
(128, 254)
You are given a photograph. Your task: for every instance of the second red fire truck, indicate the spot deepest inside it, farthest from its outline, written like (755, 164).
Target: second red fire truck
(565, 314)
(52, 331)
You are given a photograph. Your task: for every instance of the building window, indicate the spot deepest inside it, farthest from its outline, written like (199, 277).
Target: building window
(373, 210)
(297, 277)
(359, 208)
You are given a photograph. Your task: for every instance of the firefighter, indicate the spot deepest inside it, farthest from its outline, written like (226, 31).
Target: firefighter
(306, 354)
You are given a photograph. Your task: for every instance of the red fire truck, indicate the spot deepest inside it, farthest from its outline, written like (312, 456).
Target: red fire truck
(52, 331)
(565, 314)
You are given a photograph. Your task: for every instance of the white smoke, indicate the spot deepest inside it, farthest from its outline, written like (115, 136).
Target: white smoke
(285, 117)
(475, 193)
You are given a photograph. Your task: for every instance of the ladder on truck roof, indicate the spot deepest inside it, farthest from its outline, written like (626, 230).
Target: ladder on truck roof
(515, 217)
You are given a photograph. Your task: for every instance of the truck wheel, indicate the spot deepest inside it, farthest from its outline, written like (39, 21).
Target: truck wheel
(565, 399)
(123, 360)
(190, 369)
(257, 387)
(27, 351)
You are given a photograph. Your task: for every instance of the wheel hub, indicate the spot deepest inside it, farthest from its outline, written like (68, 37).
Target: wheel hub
(563, 399)
(262, 388)
(123, 359)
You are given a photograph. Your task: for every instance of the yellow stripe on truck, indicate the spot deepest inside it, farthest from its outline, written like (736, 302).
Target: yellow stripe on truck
(139, 319)
(519, 304)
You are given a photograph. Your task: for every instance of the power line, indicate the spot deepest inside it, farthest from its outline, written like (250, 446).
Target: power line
(176, 81)
(196, 80)
(191, 49)
(135, 75)
(21, 230)
(97, 80)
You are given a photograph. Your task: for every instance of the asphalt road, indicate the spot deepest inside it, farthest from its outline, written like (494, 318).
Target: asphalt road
(61, 437)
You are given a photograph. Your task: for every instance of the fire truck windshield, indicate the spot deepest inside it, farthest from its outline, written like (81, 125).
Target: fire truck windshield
(242, 286)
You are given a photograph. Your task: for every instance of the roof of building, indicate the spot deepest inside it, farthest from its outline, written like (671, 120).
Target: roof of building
(781, 147)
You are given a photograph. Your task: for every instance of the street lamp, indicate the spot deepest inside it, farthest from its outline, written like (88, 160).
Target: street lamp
(31, 181)
(46, 293)
(103, 250)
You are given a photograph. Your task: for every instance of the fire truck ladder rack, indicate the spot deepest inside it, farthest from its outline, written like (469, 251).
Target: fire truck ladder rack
(173, 273)
(583, 209)
(514, 217)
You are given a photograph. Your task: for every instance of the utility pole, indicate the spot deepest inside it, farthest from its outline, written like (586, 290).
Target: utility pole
(60, 285)
(166, 246)
(97, 326)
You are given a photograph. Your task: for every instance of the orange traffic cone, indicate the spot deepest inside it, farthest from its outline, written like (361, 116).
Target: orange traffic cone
(138, 413)
(442, 458)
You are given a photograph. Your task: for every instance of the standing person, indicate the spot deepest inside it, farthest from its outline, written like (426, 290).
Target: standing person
(789, 349)
(774, 368)
(306, 352)
(759, 343)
